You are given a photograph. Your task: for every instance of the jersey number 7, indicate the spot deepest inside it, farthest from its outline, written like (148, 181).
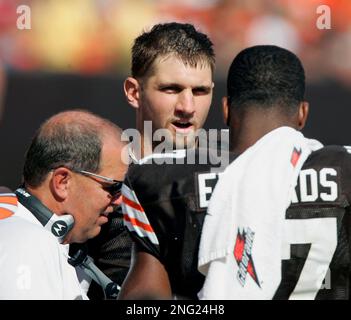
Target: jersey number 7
(321, 236)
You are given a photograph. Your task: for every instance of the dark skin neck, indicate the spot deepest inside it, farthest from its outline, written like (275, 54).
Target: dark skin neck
(249, 126)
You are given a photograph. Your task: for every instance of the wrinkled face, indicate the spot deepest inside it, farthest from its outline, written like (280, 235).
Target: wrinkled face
(90, 200)
(176, 97)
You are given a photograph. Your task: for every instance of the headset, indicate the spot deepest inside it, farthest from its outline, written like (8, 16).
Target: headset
(59, 226)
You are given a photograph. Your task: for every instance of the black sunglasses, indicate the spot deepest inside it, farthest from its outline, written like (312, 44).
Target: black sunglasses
(115, 187)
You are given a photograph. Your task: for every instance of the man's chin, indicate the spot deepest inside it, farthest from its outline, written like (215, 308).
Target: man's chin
(175, 140)
(90, 234)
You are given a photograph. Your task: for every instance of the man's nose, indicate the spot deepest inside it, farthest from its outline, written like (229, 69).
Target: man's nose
(117, 200)
(186, 103)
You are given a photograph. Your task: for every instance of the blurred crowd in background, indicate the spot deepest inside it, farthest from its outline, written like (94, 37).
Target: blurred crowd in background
(95, 36)
(77, 54)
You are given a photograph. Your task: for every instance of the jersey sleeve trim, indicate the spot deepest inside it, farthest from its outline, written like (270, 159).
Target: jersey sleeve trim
(134, 216)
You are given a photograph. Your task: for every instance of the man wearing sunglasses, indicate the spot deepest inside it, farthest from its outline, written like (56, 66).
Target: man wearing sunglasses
(73, 174)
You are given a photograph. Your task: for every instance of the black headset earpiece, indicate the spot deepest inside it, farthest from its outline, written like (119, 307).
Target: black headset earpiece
(59, 226)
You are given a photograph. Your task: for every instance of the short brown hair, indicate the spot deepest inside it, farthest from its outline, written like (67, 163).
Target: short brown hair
(179, 39)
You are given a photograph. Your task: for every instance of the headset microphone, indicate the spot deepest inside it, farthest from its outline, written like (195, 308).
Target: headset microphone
(59, 226)
(81, 259)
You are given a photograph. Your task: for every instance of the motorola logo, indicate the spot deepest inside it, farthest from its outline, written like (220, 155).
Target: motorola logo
(59, 228)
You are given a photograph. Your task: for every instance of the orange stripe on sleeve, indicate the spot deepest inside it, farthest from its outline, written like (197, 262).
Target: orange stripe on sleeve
(138, 223)
(5, 213)
(132, 204)
(8, 200)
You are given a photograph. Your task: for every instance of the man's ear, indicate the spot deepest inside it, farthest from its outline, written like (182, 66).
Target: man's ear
(132, 91)
(61, 178)
(226, 111)
(302, 114)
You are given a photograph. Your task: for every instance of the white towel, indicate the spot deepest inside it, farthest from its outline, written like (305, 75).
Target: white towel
(240, 249)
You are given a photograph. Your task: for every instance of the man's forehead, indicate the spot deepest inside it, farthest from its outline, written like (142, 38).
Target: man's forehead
(171, 69)
(193, 63)
(114, 156)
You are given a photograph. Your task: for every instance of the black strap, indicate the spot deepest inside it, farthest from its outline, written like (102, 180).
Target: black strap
(33, 204)
(80, 258)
